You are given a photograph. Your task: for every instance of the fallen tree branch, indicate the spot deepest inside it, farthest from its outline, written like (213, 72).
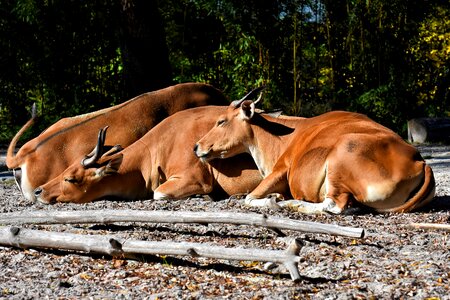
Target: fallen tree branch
(112, 216)
(430, 226)
(101, 244)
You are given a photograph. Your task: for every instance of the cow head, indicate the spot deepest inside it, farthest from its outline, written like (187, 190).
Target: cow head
(83, 182)
(232, 131)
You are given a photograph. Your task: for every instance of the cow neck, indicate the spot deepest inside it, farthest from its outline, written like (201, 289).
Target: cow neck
(130, 182)
(145, 157)
(135, 158)
(271, 136)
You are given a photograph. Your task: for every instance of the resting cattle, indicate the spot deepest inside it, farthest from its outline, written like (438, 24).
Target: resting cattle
(326, 162)
(46, 156)
(160, 164)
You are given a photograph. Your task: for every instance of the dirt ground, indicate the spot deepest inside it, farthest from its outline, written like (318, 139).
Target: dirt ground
(393, 261)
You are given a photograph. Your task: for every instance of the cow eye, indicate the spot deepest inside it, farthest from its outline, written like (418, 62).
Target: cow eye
(70, 180)
(221, 122)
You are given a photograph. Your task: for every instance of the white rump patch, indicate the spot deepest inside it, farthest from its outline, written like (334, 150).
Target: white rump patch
(377, 192)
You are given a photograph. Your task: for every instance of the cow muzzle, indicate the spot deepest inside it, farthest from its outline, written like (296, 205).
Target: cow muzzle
(202, 154)
(38, 194)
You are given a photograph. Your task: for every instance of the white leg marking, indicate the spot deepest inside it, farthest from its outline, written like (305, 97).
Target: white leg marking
(263, 202)
(27, 189)
(160, 196)
(18, 177)
(328, 205)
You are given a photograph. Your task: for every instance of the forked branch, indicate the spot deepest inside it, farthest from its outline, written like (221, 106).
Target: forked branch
(100, 244)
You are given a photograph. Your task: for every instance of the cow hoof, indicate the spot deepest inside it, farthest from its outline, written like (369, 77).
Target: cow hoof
(276, 196)
(160, 196)
(237, 196)
(264, 202)
(301, 206)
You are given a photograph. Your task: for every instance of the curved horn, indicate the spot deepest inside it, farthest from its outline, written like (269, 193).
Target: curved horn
(92, 157)
(259, 99)
(249, 95)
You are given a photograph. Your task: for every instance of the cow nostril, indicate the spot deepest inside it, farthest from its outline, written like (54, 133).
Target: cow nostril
(195, 147)
(37, 191)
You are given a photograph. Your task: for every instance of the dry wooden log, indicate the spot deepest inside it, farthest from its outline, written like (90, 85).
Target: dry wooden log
(430, 226)
(101, 244)
(112, 216)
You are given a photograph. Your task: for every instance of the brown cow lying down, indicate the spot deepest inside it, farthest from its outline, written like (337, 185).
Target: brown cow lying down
(68, 140)
(330, 161)
(160, 164)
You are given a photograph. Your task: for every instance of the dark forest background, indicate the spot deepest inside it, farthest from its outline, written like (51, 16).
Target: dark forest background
(389, 59)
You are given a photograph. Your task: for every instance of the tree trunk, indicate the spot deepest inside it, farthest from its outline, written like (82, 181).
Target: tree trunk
(337, 31)
(143, 45)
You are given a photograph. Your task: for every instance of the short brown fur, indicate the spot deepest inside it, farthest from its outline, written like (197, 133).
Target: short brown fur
(339, 156)
(161, 162)
(66, 141)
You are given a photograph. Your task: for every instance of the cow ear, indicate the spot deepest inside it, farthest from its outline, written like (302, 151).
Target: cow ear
(114, 164)
(112, 167)
(247, 110)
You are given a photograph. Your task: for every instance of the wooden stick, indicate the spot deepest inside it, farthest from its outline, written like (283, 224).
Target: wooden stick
(111, 216)
(430, 226)
(26, 238)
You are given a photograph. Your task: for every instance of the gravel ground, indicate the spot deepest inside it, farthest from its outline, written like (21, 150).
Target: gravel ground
(393, 261)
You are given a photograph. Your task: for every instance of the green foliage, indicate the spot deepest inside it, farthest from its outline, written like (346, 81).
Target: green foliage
(379, 103)
(240, 67)
(430, 53)
(388, 59)
(222, 54)
(27, 11)
(63, 55)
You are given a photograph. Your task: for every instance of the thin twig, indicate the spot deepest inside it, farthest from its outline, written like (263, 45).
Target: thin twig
(430, 226)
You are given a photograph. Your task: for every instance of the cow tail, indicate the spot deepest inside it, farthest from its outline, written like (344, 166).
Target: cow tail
(11, 160)
(422, 197)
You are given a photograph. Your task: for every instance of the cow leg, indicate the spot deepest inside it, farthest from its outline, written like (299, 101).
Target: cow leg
(336, 196)
(270, 201)
(181, 187)
(267, 192)
(327, 206)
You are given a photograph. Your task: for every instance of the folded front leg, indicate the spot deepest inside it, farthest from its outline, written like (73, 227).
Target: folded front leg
(275, 182)
(268, 191)
(327, 206)
(181, 187)
(269, 201)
